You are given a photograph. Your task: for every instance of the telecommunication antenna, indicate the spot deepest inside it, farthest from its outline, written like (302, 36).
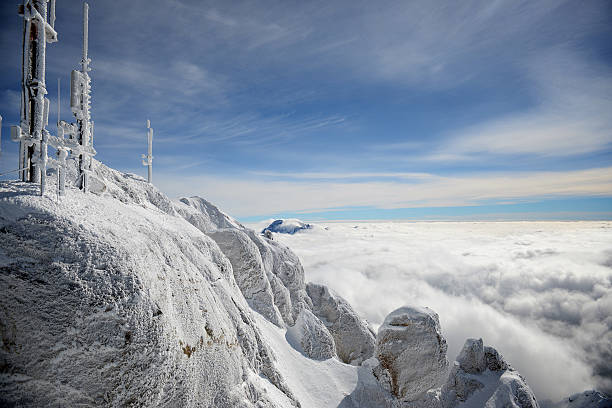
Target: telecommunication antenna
(147, 160)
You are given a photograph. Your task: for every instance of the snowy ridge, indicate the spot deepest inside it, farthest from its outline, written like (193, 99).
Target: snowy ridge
(586, 399)
(289, 226)
(124, 297)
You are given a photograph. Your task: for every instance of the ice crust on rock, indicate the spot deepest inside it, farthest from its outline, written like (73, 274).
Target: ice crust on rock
(280, 262)
(205, 216)
(481, 377)
(412, 352)
(354, 340)
(310, 336)
(248, 271)
(115, 300)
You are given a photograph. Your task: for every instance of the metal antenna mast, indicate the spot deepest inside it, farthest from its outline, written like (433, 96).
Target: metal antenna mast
(148, 159)
(31, 134)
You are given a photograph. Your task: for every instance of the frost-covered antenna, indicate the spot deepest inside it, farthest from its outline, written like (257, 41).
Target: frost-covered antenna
(31, 133)
(148, 159)
(80, 100)
(59, 105)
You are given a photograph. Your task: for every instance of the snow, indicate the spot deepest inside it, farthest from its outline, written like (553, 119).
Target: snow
(547, 285)
(316, 384)
(124, 297)
(586, 399)
(289, 226)
(125, 302)
(482, 378)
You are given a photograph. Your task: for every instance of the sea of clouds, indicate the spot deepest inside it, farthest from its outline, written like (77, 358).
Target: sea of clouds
(540, 292)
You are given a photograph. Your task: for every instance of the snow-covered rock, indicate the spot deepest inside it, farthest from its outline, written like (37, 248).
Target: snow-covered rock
(586, 399)
(290, 226)
(248, 271)
(310, 336)
(412, 352)
(281, 262)
(114, 300)
(205, 216)
(126, 298)
(353, 338)
(282, 295)
(482, 378)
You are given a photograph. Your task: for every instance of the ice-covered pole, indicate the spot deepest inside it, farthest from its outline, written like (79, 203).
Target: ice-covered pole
(37, 32)
(80, 103)
(85, 61)
(148, 159)
(52, 13)
(59, 106)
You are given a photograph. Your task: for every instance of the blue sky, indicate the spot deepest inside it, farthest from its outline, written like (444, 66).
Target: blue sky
(347, 109)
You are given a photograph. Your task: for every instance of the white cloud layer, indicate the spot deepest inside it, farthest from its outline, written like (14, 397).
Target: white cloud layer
(249, 196)
(539, 292)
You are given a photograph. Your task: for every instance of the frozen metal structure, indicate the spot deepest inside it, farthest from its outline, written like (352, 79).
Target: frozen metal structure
(80, 104)
(148, 159)
(32, 134)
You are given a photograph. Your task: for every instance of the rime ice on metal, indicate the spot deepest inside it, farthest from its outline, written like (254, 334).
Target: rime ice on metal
(148, 159)
(32, 134)
(80, 104)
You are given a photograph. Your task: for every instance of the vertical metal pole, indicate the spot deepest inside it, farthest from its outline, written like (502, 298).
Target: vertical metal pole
(84, 158)
(59, 105)
(61, 153)
(148, 159)
(38, 89)
(85, 34)
(25, 95)
(150, 155)
(52, 13)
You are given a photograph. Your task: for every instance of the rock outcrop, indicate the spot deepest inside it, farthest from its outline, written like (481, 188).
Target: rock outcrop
(126, 298)
(412, 353)
(248, 271)
(482, 377)
(311, 337)
(116, 303)
(586, 399)
(354, 340)
(204, 216)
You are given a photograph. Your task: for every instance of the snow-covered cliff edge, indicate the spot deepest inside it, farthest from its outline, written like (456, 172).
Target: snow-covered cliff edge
(123, 297)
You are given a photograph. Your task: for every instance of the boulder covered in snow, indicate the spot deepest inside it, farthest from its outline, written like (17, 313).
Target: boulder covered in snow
(310, 336)
(353, 338)
(290, 226)
(586, 399)
(412, 352)
(481, 377)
